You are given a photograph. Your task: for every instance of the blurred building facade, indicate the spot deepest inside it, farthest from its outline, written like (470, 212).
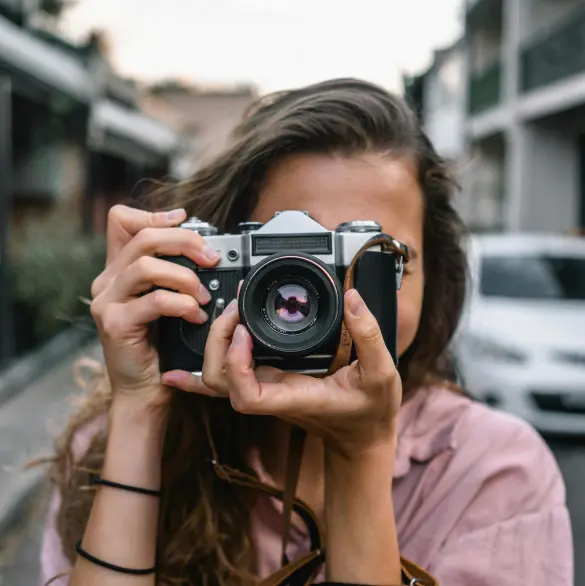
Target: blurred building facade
(527, 108)
(72, 137)
(439, 97)
(203, 117)
(523, 105)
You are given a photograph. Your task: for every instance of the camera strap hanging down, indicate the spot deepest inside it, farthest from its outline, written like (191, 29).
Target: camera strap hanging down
(304, 570)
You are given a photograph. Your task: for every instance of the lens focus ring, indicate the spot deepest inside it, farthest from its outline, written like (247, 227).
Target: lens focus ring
(292, 304)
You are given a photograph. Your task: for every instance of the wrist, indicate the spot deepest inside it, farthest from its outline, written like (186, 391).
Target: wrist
(361, 541)
(134, 418)
(135, 444)
(361, 466)
(360, 451)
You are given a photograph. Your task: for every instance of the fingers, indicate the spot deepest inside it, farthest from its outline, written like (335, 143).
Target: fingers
(168, 242)
(218, 343)
(161, 303)
(374, 360)
(270, 391)
(134, 233)
(188, 382)
(125, 222)
(148, 272)
(240, 376)
(119, 320)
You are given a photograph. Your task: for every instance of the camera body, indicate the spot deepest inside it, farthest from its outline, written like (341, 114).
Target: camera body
(291, 298)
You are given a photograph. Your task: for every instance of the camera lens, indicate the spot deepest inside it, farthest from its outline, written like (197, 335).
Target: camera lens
(292, 304)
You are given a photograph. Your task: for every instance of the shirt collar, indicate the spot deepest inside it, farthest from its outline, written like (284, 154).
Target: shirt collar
(426, 426)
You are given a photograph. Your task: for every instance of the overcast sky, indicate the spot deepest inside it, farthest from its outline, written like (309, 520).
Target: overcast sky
(271, 43)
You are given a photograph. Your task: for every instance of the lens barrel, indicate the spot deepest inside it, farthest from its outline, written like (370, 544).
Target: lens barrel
(291, 303)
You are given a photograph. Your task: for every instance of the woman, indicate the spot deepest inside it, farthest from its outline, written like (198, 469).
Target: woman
(396, 462)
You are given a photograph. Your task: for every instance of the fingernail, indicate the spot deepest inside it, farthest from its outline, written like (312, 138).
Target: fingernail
(231, 308)
(202, 316)
(355, 303)
(240, 336)
(211, 253)
(204, 295)
(177, 214)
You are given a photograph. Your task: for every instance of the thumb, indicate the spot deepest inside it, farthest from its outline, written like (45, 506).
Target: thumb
(372, 353)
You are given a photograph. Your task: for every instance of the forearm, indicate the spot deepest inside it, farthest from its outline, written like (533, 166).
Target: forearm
(122, 525)
(361, 540)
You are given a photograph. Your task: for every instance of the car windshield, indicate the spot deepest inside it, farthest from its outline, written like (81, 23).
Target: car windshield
(533, 277)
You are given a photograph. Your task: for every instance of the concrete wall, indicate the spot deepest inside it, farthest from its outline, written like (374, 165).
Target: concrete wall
(444, 107)
(484, 185)
(543, 186)
(552, 184)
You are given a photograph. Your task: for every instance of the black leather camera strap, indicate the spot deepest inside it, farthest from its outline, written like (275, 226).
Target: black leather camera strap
(307, 567)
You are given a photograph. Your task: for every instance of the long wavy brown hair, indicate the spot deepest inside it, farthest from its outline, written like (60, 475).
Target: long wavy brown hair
(204, 529)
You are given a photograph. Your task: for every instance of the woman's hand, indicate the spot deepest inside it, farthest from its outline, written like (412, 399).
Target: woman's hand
(353, 410)
(122, 306)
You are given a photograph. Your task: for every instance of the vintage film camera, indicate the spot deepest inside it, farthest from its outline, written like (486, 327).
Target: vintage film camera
(291, 298)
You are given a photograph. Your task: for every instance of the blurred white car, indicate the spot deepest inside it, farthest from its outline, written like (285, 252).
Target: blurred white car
(521, 344)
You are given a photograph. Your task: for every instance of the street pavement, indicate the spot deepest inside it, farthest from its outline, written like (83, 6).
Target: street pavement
(19, 548)
(29, 422)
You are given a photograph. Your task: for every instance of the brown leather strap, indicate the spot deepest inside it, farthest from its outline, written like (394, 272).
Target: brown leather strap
(415, 575)
(233, 476)
(341, 359)
(388, 244)
(304, 570)
(293, 468)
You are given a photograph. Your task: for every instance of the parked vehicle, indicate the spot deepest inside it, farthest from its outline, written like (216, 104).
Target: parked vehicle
(521, 344)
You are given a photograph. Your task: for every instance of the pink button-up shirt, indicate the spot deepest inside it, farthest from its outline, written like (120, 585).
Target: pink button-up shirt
(479, 500)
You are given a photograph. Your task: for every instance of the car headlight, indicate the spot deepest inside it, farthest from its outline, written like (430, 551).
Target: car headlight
(489, 349)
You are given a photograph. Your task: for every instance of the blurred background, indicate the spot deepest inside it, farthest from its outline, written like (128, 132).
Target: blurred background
(97, 95)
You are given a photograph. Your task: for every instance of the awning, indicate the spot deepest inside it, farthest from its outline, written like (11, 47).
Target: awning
(111, 118)
(40, 60)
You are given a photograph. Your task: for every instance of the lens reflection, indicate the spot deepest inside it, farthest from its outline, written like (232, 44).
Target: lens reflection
(292, 304)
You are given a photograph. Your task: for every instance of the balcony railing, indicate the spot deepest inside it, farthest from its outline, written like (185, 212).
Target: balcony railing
(558, 55)
(485, 88)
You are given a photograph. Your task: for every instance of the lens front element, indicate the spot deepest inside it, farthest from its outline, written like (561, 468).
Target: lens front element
(291, 304)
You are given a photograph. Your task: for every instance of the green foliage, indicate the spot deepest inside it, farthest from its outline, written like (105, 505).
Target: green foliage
(53, 268)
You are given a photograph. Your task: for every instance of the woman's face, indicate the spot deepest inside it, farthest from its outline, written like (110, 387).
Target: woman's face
(336, 189)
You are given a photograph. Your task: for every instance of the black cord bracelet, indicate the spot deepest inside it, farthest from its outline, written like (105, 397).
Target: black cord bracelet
(137, 489)
(119, 569)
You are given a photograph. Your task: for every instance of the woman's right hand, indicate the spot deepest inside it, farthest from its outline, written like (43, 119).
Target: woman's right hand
(122, 311)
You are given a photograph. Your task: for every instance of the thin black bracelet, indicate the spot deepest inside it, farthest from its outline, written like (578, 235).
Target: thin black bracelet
(112, 567)
(147, 491)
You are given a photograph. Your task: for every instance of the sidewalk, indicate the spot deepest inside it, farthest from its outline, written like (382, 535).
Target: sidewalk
(29, 422)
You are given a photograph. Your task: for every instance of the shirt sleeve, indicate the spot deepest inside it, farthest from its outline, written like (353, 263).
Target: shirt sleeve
(515, 528)
(531, 549)
(53, 561)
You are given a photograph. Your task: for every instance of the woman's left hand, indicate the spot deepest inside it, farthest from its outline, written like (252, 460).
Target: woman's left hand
(353, 410)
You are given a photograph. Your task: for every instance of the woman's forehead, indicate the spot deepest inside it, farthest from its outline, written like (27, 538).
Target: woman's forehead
(335, 189)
